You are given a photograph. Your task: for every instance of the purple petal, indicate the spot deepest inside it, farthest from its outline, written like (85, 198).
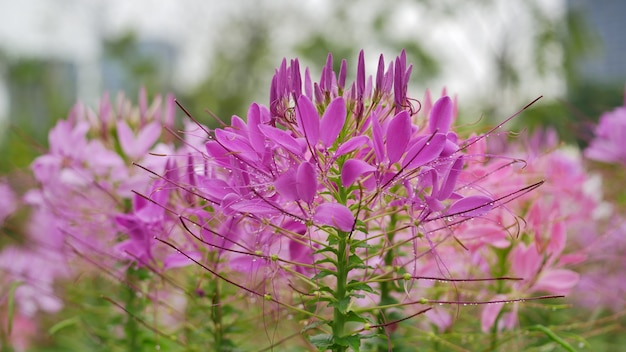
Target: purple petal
(236, 144)
(178, 260)
(380, 73)
(424, 151)
(343, 69)
(335, 215)
(300, 253)
(257, 139)
(306, 182)
(332, 121)
(449, 182)
(214, 189)
(360, 75)
(285, 185)
(220, 155)
(351, 145)
(308, 86)
(284, 139)
(308, 119)
(353, 169)
(398, 135)
(377, 138)
(238, 126)
(440, 117)
(471, 206)
(254, 206)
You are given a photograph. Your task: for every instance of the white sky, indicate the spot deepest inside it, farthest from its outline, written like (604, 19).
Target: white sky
(71, 29)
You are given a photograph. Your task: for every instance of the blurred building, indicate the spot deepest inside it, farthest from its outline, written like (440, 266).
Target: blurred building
(608, 19)
(41, 89)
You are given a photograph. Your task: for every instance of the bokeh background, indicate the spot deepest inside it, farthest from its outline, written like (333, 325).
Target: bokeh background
(219, 56)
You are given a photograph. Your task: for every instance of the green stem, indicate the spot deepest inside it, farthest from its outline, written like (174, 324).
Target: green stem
(217, 318)
(131, 305)
(339, 317)
(386, 286)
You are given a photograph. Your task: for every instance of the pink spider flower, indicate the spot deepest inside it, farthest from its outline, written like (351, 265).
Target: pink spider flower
(610, 133)
(270, 191)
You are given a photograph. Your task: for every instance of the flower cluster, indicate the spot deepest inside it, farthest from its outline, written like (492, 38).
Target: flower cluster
(608, 144)
(85, 217)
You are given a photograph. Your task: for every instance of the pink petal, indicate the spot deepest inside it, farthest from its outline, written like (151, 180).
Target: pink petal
(306, 182)
(424, 151)
(398, 135)
(308, 119)
(525, 261)
(557, 282)
(471, 206)
(148, 135)
(126, 138)
(282, 138)
(440, 117)
(353, 169)
(333, 121)
(490, 313)
(557, 239)
(335, 215)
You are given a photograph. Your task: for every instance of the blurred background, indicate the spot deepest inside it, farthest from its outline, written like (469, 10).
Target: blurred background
(220, 56)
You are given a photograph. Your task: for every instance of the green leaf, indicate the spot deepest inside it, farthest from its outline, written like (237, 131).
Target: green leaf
(360, 244)
(11, 305)
(327, 260)
(353, 341)
(63, 324)
(355, 285)
(322, 341)
(352, 316)
(314, 325)
(355, 262)
(342, 304)
(326, 249)
(323, 273)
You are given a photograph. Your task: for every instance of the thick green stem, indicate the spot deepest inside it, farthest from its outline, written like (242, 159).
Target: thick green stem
(339, 317)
